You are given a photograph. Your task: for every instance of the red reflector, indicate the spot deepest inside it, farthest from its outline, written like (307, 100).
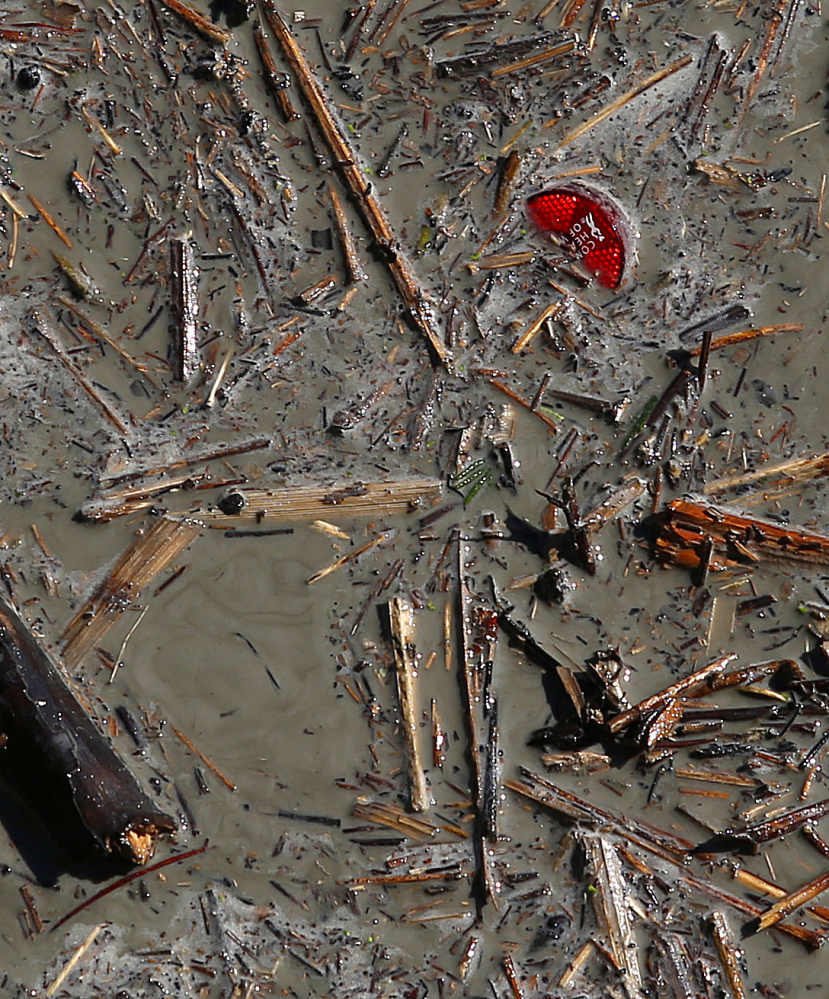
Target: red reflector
(588, 223)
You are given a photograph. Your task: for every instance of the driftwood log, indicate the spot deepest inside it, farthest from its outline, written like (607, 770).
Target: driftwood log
(56, 759)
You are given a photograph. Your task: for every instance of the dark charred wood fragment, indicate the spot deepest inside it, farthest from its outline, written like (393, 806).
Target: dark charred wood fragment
(494, 55)
(58, 760)
(752, 837)
(578, 531)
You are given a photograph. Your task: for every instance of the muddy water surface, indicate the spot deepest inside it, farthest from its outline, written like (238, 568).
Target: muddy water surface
(288, 686)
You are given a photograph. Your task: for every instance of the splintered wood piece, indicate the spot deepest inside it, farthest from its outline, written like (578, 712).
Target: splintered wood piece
(327, 502)
(738, 540)
(149, 554)
(203, 25)
(788, 904)
(578, 761)
(752, 837)
(610, 507)
(549, 312)
(401, 620)
(743, 336)
(757, 884)
(577, 810)
(421, 310)
(278, 83)
(577, 962)
(47, 218)
(100, 403)
(612, 913)
(394, 818)
(663, 723)
(57, 758)
(512, 977)
(695, 682)
(184, 292)
(623, 99)
(348, 557)
(500, 261)
(784, 472)
(728, 954)
(506, 181)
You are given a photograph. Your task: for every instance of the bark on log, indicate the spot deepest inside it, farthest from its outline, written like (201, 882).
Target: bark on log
(56, 758)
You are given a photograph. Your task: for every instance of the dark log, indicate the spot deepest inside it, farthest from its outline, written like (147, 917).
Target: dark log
(59, 762)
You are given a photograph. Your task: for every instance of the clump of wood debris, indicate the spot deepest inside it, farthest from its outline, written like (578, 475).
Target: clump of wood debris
(268, 275)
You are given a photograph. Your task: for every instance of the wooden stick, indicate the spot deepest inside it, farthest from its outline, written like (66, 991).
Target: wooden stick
(550, 312)
(354, 270)
(277, 82)
(755, 883)
(167, 862)
(72, 963)
(402, 633)
(100, 403)
(788, 904)
(47, 218)
(577, 962)
(728, 954)
(551, 424)
(99, 331)
(621, 101)
(552, 53)
(420, 308)
(743, 336)
(203, 25)
(388, 815)
(228, 783)
(348, 557)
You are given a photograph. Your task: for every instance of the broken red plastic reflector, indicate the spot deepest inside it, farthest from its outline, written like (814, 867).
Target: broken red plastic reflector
(587, 222)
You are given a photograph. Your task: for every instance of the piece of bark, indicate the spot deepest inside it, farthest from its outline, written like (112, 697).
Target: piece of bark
(685, 527)
(56, 757)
